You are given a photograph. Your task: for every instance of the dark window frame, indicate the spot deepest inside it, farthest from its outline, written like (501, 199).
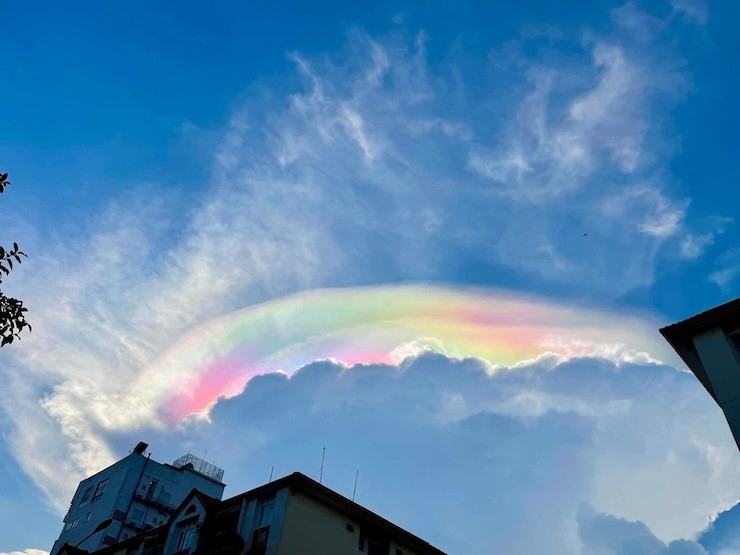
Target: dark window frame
(99, 490)
(86, 496)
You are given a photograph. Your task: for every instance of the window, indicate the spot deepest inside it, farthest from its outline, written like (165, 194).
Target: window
(72, 524)
(150, 489)
(137, 515)
(373, 545)
(186, 537)
(264, 515)
(87, 517)
(86, 497)
(99, 490)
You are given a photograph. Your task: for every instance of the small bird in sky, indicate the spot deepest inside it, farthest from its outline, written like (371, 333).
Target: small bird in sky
(585, 234)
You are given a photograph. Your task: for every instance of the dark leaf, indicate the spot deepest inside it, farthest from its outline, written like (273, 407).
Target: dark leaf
(15, 246)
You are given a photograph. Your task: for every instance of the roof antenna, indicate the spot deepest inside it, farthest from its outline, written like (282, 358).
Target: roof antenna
(271, 471)
(321, 474)
(354, 490)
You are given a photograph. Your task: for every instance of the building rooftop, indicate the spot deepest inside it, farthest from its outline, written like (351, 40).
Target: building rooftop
(297, 482)
(681, 336)
(200, 466)
(368, 519)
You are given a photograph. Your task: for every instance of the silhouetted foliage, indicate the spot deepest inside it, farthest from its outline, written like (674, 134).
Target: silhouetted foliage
(12, 311)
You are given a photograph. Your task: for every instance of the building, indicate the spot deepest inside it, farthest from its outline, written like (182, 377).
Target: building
(133, 495)
(709, 344)
(294, 515)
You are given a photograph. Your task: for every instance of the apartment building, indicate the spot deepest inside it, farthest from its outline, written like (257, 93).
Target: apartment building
(133, 495)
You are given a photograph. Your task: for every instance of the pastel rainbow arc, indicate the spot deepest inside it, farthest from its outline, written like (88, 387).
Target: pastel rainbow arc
(373, 325)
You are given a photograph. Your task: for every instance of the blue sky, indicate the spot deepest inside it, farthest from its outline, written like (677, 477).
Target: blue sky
(174, 163)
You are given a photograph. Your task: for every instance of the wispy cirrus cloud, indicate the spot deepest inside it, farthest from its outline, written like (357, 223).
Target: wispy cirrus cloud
(651, 212)
(695, 243)
(695, 11)
(692, 246)
(547, 155)
(727, 269)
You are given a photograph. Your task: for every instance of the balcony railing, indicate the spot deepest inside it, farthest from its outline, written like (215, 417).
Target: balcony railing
(154, 502)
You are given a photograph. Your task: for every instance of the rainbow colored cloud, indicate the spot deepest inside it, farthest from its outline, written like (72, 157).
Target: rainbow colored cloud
(382, 325)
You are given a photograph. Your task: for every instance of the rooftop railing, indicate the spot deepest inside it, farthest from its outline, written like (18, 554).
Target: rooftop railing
(200, 466)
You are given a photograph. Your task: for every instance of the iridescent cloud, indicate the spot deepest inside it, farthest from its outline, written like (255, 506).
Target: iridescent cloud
(382, 325)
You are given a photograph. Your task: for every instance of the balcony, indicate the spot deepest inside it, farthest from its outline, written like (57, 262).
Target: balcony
(156, 503)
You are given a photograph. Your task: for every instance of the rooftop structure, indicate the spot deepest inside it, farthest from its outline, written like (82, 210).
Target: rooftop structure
(200, 466)
(709, 344)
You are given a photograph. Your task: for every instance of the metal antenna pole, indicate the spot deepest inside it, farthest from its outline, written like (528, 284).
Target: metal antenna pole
(321, 474)
(271, 471)
(354, 490)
